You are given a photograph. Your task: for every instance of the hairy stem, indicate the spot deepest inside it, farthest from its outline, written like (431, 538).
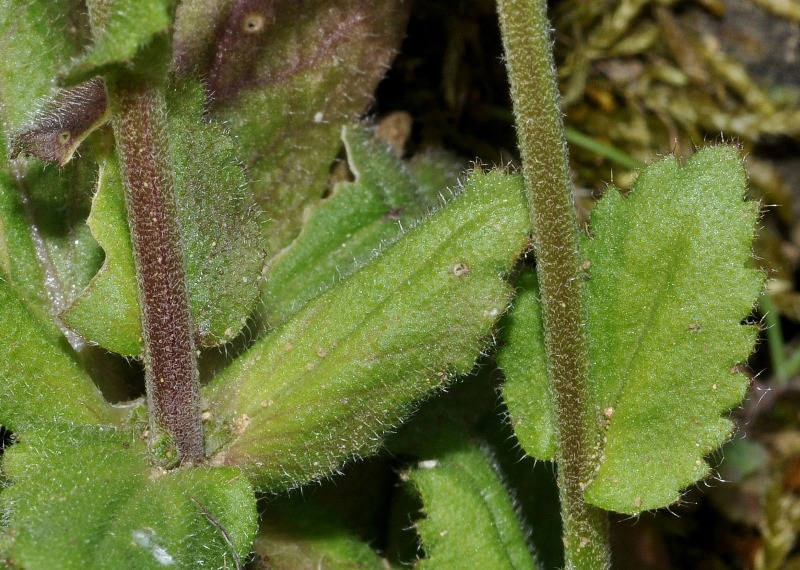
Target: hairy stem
(534, 92)
(139, 118)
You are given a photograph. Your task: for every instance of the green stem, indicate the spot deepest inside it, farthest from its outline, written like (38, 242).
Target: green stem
(591, 144)
(792, 367)
(534, 93)
(775, 343)
(173, 390)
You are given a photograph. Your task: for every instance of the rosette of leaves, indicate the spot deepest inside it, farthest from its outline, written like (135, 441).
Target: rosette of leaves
(372, 303)
(86, 484)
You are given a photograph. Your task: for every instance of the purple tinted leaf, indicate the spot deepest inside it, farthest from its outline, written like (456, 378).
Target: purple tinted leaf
(57, 132)
(285, 77)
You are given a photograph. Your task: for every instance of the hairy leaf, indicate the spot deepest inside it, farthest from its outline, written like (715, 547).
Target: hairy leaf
(85, 497)
(522, 357)
(49, 254)
(328, 384)
(469, 521)
(107, 311)
(439, 427)
(220, 232)
(19, 265)
(119, 29)
(303, 537)
(43, 225)
(285, 76)
(223, 258)
(434, 171)
(671, 281)
(62, 126)
(345, 230)
(36, 39)
(36, 371)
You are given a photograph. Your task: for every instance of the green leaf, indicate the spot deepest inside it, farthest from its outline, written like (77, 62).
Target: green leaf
(671, 281)
(304, 537)
(345, 230)
(60, 203)
(119, 29)
(194, 35)
(19, 265)
(36, 39)
(434, 170)
(49, 252)
(471, 406)
(522, 357)
(85, 497)
(36, 372)
(223, 258)
(329, 383)
(285, 79)
(107, 311)
(469, 521)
